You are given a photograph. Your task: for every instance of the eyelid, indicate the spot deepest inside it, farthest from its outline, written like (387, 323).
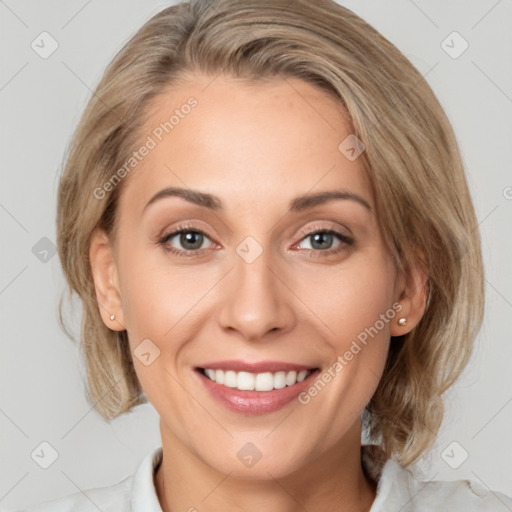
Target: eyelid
(346, 242)
(163, 242)
(182, 228)
(331, 226)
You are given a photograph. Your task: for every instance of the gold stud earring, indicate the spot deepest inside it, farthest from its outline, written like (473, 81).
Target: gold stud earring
(112, 317)
(402, 321)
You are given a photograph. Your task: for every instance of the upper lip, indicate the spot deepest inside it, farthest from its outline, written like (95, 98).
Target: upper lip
(255, 366)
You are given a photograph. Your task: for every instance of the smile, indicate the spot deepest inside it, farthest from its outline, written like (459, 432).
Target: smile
(245, 381)
(255, 392)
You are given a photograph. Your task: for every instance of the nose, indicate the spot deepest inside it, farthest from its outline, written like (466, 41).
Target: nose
(257, 300)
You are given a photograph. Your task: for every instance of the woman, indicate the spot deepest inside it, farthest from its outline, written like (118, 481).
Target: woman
(265, 214)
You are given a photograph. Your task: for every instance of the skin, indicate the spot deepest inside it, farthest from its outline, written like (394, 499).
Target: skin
(256, 146)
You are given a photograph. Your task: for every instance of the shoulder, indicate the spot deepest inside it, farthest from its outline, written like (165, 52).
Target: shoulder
(107, 499)
(398, 488)
(456, 495)
(135, 492)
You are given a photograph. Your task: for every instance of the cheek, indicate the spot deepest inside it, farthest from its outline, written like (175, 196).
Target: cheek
(345, 299)
(152, 293)
(167, 304)
(350, 300)
(355, 310)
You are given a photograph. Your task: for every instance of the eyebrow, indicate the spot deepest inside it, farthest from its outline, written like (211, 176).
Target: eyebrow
(297, 204)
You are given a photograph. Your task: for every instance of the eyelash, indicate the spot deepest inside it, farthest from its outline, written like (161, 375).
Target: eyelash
(345, 241)
(178, 231)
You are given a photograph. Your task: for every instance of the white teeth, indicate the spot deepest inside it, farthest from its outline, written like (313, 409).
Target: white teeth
(301, 375)
(291, 378)
(230, 379)
(264, 382)
(246, 381)
(280, 380)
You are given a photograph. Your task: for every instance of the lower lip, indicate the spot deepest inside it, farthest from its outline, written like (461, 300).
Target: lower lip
(255, 402)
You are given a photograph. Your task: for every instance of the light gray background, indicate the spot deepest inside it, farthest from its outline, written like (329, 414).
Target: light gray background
(41, 388)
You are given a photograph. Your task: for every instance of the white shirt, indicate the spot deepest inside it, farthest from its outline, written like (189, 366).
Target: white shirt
(397, 490)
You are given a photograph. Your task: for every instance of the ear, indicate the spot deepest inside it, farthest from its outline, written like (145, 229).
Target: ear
(106, 282)
(411, 293)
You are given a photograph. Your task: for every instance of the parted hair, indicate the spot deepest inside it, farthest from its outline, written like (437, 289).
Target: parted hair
(411, 155)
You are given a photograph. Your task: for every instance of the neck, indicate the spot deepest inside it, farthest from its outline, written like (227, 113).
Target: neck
(334, 480)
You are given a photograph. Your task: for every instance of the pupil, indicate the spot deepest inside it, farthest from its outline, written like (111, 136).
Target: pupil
(321, 237)
(188, 238)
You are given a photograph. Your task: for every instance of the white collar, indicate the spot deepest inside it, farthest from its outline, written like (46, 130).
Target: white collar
(144, 496)
(396, 487)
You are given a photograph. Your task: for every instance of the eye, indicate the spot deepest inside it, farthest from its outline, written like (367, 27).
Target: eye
(322, 240)
(191, 240)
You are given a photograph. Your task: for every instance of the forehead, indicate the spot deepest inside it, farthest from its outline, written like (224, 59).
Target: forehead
(248, 142)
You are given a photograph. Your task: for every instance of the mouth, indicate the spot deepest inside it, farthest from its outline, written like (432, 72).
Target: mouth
(247, 381)
(255, 392)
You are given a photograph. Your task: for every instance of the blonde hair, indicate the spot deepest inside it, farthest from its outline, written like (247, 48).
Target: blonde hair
(411, 155)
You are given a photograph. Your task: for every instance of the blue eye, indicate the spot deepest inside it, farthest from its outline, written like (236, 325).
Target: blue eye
(323, 239)
(190, 238)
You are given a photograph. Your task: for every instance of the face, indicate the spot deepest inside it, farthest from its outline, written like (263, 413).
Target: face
(260, 285)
